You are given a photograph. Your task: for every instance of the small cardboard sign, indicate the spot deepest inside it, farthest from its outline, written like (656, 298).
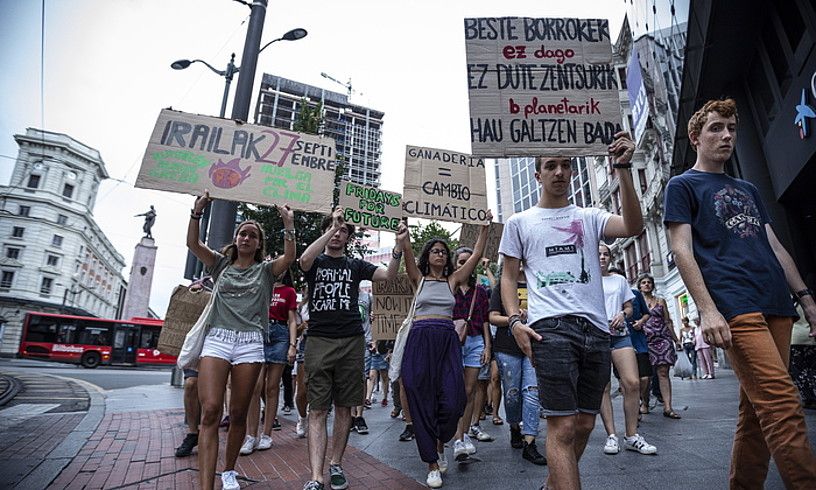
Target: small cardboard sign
(188, 153)
(392, 302)
(541, 87)
(444, 185)
(470, 233)
(369, 207)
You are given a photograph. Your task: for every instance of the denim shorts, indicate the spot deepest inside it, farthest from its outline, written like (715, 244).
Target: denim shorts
(375, 362)
(234, 347)
(472, 351)
(620, 341)
(572, 363)
(301, 349)
(276, 343)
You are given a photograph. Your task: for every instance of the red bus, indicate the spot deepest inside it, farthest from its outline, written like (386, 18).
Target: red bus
(92, 341)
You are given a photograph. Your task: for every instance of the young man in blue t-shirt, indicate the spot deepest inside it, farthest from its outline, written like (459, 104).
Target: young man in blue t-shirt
(719, 225)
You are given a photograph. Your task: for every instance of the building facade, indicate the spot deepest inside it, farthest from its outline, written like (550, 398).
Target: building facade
(356, 129)
(55, 258)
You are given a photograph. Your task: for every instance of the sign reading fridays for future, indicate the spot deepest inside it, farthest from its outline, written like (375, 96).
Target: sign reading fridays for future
(541, 87)
(370, 207)
(444, 185)
(188, 153)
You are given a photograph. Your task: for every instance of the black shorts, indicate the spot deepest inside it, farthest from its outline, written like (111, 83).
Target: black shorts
(644, 366)
(572, 364)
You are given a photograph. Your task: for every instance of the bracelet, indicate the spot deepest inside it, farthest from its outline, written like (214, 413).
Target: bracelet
(195, 217)
(292, 345)
(622, 165)
(288, 234)
(512, 323)
(804, 292)
(396, 255)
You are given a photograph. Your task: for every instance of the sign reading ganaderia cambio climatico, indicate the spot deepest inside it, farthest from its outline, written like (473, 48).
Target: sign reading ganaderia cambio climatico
(541, 87)
(188, 153)
(444, 185)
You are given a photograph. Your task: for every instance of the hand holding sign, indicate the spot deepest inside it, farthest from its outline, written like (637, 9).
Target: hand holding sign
(287, 216)
(403, 237)
(622, 148)
(202, 202)
(337, 218)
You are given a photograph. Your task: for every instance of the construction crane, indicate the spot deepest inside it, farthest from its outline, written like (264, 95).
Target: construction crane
(348, 86)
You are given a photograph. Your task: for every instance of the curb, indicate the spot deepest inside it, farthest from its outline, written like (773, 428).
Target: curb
(59, 457)
(11, 392)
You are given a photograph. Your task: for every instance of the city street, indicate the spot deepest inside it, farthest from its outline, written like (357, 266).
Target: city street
(137, 428)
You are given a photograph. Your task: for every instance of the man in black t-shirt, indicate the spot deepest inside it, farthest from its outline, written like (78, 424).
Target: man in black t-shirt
(335, 345)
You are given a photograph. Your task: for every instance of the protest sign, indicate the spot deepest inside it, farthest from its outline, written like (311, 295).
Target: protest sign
(470, 233)
(444, 185)
(188, 153)
(541, 87)
(392, 301)
(370, 207)
(637, 96)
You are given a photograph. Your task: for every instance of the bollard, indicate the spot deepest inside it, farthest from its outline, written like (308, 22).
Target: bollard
(177, 377)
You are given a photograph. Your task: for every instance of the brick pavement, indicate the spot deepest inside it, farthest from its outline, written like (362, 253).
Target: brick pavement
(136, 450)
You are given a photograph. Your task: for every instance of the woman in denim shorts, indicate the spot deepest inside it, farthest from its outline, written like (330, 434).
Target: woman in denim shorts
(233, 346)
(279, 351)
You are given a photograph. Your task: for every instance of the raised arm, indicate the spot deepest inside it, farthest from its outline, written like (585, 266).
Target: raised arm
(795, 282)
(630, 223)
(414, 274)
(393, 265)
(462, 274)
(489, 273)
(316, 247)
(194, 243)
(715, 329)
(280, 264)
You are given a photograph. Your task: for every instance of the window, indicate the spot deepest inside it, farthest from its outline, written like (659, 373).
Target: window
(62, 219)
(24, 210)
(17, 232)
(642, 179)
(68, 191)
(46, 285)
(13, 253)
(7, 280)
(56, 241)
(33, 181)
(52, 260)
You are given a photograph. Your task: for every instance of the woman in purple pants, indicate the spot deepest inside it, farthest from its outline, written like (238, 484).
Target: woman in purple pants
(431, 370)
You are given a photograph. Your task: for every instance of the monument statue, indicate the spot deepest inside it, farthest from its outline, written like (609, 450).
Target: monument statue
(150, 219)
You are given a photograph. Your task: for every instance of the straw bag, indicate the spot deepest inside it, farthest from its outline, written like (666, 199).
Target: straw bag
(402, 337)
(194, 340)
(186, 305)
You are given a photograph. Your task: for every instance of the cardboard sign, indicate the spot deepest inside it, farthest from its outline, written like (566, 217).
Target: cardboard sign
(188, 153)
(541, 87)
(370, 207)
(392, 301)
(470, 233)
(444, 185)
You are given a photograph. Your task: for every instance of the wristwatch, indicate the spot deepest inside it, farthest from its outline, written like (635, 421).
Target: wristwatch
(804, 292)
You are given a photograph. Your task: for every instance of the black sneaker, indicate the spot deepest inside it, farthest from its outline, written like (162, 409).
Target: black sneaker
(186, 448)
(532, 455)
(408, 433)
(276, 425)
(516, 439)
(362, 428)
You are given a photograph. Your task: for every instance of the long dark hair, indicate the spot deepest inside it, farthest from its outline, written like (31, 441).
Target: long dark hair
(466, 250)
(424, 265)
(231, 250)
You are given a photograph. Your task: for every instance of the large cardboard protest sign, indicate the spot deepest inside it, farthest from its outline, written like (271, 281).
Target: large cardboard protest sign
(392, 301)
(470, 233)
(444, 185)
(541, 86)
(370, 207)
(188, 153)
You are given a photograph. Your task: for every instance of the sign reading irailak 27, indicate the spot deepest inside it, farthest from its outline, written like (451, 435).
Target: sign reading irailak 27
(188, 153)
(541, 87)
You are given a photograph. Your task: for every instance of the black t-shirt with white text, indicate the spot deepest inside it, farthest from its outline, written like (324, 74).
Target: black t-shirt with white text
(334, 286)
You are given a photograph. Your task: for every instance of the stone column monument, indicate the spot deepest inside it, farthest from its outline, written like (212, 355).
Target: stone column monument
(137, 299)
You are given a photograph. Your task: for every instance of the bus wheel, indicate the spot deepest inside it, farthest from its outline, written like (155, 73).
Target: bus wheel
(90, 360)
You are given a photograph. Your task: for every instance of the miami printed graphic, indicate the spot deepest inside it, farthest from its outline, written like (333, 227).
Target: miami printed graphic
(737, 211)
(572, 244)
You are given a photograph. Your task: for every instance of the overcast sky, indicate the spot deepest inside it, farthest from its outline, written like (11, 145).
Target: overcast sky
(107, 74)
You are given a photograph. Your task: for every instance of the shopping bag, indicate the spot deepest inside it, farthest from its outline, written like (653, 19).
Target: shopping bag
(682, 368)
(186, 305)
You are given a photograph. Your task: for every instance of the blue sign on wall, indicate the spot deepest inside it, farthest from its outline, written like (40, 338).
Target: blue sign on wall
(637, 96)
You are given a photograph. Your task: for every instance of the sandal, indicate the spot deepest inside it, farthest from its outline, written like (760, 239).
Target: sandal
(671, 415)
(642, 411)
(497, 421)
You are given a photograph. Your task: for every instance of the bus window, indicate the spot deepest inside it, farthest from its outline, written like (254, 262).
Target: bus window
(42, 329)
(150, 337)
(93, 333)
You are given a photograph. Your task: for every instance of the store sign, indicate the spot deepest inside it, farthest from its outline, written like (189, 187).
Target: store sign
(637, 96)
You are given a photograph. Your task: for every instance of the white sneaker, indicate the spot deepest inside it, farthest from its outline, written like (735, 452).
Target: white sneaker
(229, 479)
(434, 479)
(471, 449)
(442, 462)
(479, 434)
(612, 446)
(460, 452)
(302, 427)
(265, 442)
(248, 447)
(639, 444)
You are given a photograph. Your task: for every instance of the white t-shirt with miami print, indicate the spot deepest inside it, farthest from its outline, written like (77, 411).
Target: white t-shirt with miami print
(560, 252)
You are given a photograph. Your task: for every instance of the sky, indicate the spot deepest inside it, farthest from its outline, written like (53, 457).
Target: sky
(106, 74)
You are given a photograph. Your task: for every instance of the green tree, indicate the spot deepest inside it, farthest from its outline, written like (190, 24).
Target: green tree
(421, 234)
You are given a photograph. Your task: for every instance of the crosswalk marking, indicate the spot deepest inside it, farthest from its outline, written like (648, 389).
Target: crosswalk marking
(14, 415)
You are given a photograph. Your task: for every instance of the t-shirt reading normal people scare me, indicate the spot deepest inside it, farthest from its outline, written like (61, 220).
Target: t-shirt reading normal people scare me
(560, 252)
(334, 286)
